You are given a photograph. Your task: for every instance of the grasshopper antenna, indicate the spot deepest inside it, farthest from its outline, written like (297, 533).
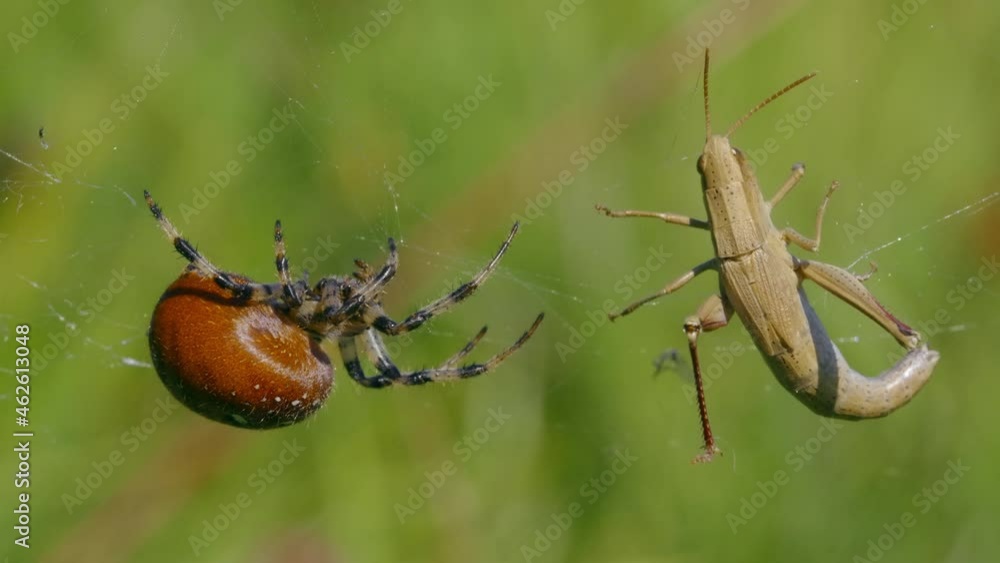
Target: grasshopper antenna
(708, 116)
(761, 105)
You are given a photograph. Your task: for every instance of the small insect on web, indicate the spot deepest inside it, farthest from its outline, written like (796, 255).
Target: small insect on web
(671, 360)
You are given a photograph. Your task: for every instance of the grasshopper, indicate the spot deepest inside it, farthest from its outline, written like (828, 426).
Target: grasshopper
(761, 282)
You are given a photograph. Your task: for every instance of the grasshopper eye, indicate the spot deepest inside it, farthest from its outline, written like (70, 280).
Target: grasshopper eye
(737, 152)
(701, 164)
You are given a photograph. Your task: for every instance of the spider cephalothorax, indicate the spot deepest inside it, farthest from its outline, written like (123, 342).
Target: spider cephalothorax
(247, 353)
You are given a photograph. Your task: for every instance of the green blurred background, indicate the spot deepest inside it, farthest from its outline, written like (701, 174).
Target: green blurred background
(359, 104)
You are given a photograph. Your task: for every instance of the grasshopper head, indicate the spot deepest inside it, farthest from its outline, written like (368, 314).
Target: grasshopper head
(720, 163)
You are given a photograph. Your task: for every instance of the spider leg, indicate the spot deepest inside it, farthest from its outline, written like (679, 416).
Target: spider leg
(364, 272)
(240, 290)
(368, 291)
(349, 355)
(384, 324)
(389, 374)
(380, 356)
(448, 372)
(384, 275)
(281, 263)
(453, 361)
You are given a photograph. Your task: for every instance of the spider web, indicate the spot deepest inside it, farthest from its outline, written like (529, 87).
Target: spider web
(564, 301)
(26, 181)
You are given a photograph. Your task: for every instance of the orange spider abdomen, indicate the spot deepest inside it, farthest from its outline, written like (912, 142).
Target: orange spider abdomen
(244, 364)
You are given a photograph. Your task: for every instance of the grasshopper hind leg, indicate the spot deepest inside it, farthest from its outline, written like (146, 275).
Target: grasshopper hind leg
(849, 288)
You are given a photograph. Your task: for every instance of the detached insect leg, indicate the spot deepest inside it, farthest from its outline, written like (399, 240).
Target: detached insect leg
(713, 314)
(872, 268)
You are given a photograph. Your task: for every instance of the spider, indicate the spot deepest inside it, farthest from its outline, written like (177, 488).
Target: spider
(247, 353)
